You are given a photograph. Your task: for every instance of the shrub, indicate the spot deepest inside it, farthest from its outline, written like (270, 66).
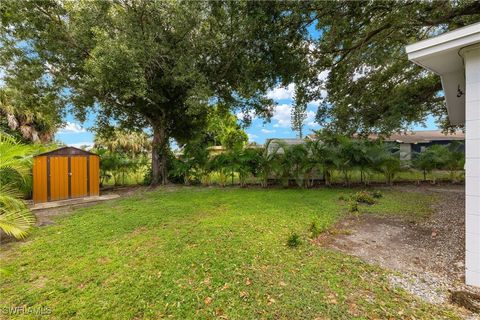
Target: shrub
(363, 197)
(353, 207)
(377, 194)
(293, 240)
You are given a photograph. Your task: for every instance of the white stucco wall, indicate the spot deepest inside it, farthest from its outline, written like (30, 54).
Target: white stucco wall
(472, 164)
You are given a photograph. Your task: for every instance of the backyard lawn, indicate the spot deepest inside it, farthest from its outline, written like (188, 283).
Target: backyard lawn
(206, 253)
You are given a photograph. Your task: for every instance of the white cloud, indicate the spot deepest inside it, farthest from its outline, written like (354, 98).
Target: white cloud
(282, 115)
(282, 93)
(251, 137)
(322, 76)
(310, 120)
(267, 131)
(88, 144)
(71, 127)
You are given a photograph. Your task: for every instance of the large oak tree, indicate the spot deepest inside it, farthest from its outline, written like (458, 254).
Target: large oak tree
(157, 64)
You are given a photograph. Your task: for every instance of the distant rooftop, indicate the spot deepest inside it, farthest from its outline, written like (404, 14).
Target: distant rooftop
(425, 136)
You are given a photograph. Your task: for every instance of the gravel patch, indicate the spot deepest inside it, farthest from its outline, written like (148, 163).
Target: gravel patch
(427, 256)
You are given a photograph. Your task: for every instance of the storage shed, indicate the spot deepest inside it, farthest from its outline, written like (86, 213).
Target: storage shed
(65, 173)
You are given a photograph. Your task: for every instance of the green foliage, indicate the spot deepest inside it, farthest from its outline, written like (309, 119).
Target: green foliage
(15, 217)
(377, 194)
(385, 159)
(364, 197)
(353, 206)
(447, 157)
(311, 161)
(360, 55)
(29, 110)
(156, 64)
(122, 154)
(294, 240)
(223, 129)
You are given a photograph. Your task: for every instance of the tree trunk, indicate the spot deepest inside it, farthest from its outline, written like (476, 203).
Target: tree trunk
(159, 154)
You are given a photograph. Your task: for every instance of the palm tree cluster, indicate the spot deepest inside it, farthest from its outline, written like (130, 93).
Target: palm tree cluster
(123, 154)
(311, 162)
(278, 162)
(448, 157)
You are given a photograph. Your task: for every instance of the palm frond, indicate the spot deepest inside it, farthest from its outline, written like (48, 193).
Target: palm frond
(16, 223)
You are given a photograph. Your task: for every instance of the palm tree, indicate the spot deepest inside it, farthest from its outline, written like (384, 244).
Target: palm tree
(385, 159)
(15, 218)
(267, 162)
(35, 121)
(434, 157)
(325, 156)
(455, 159)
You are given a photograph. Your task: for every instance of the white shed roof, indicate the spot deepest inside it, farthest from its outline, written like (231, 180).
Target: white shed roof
(441, 55)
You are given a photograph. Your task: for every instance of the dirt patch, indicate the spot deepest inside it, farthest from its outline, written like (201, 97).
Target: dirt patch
(428, 254)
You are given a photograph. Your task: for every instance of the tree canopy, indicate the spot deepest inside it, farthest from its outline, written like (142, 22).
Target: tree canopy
(156, 64)
(359, 59)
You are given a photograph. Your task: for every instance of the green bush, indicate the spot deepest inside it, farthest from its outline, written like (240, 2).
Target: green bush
(353, 207)
(377, 194)
(294, 240)
(363, 197)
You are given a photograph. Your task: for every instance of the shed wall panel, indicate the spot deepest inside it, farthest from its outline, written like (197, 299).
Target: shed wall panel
(40, 180)
(94, 178)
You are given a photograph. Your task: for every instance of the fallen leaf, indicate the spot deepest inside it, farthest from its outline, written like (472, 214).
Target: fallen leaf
(207, 300)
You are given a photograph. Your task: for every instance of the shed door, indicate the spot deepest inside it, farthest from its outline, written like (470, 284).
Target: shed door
(94, 167)
(40, 179)
(58, 178)
(79, 176)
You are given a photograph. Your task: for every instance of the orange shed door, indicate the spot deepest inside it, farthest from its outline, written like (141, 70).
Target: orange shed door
(40, 179)
(79, 176)
(94, 178)
(58, 178)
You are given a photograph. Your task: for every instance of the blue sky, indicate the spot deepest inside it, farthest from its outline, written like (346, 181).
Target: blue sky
(77, 134)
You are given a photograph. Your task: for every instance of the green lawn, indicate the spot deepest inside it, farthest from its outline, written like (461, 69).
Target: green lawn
(205, 253)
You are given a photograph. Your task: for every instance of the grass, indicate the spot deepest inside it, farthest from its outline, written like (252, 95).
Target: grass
(202, 253)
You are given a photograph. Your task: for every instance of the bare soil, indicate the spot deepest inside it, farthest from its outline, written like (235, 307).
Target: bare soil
(427, 256)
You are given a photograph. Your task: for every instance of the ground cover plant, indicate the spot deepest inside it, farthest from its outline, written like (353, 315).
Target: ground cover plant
(190, 252)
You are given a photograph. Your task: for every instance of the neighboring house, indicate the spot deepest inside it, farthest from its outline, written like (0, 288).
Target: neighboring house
(409, 142)
(418, 141)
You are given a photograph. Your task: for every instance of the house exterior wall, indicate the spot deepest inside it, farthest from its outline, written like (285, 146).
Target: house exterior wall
(472, 166)
(405, 151)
